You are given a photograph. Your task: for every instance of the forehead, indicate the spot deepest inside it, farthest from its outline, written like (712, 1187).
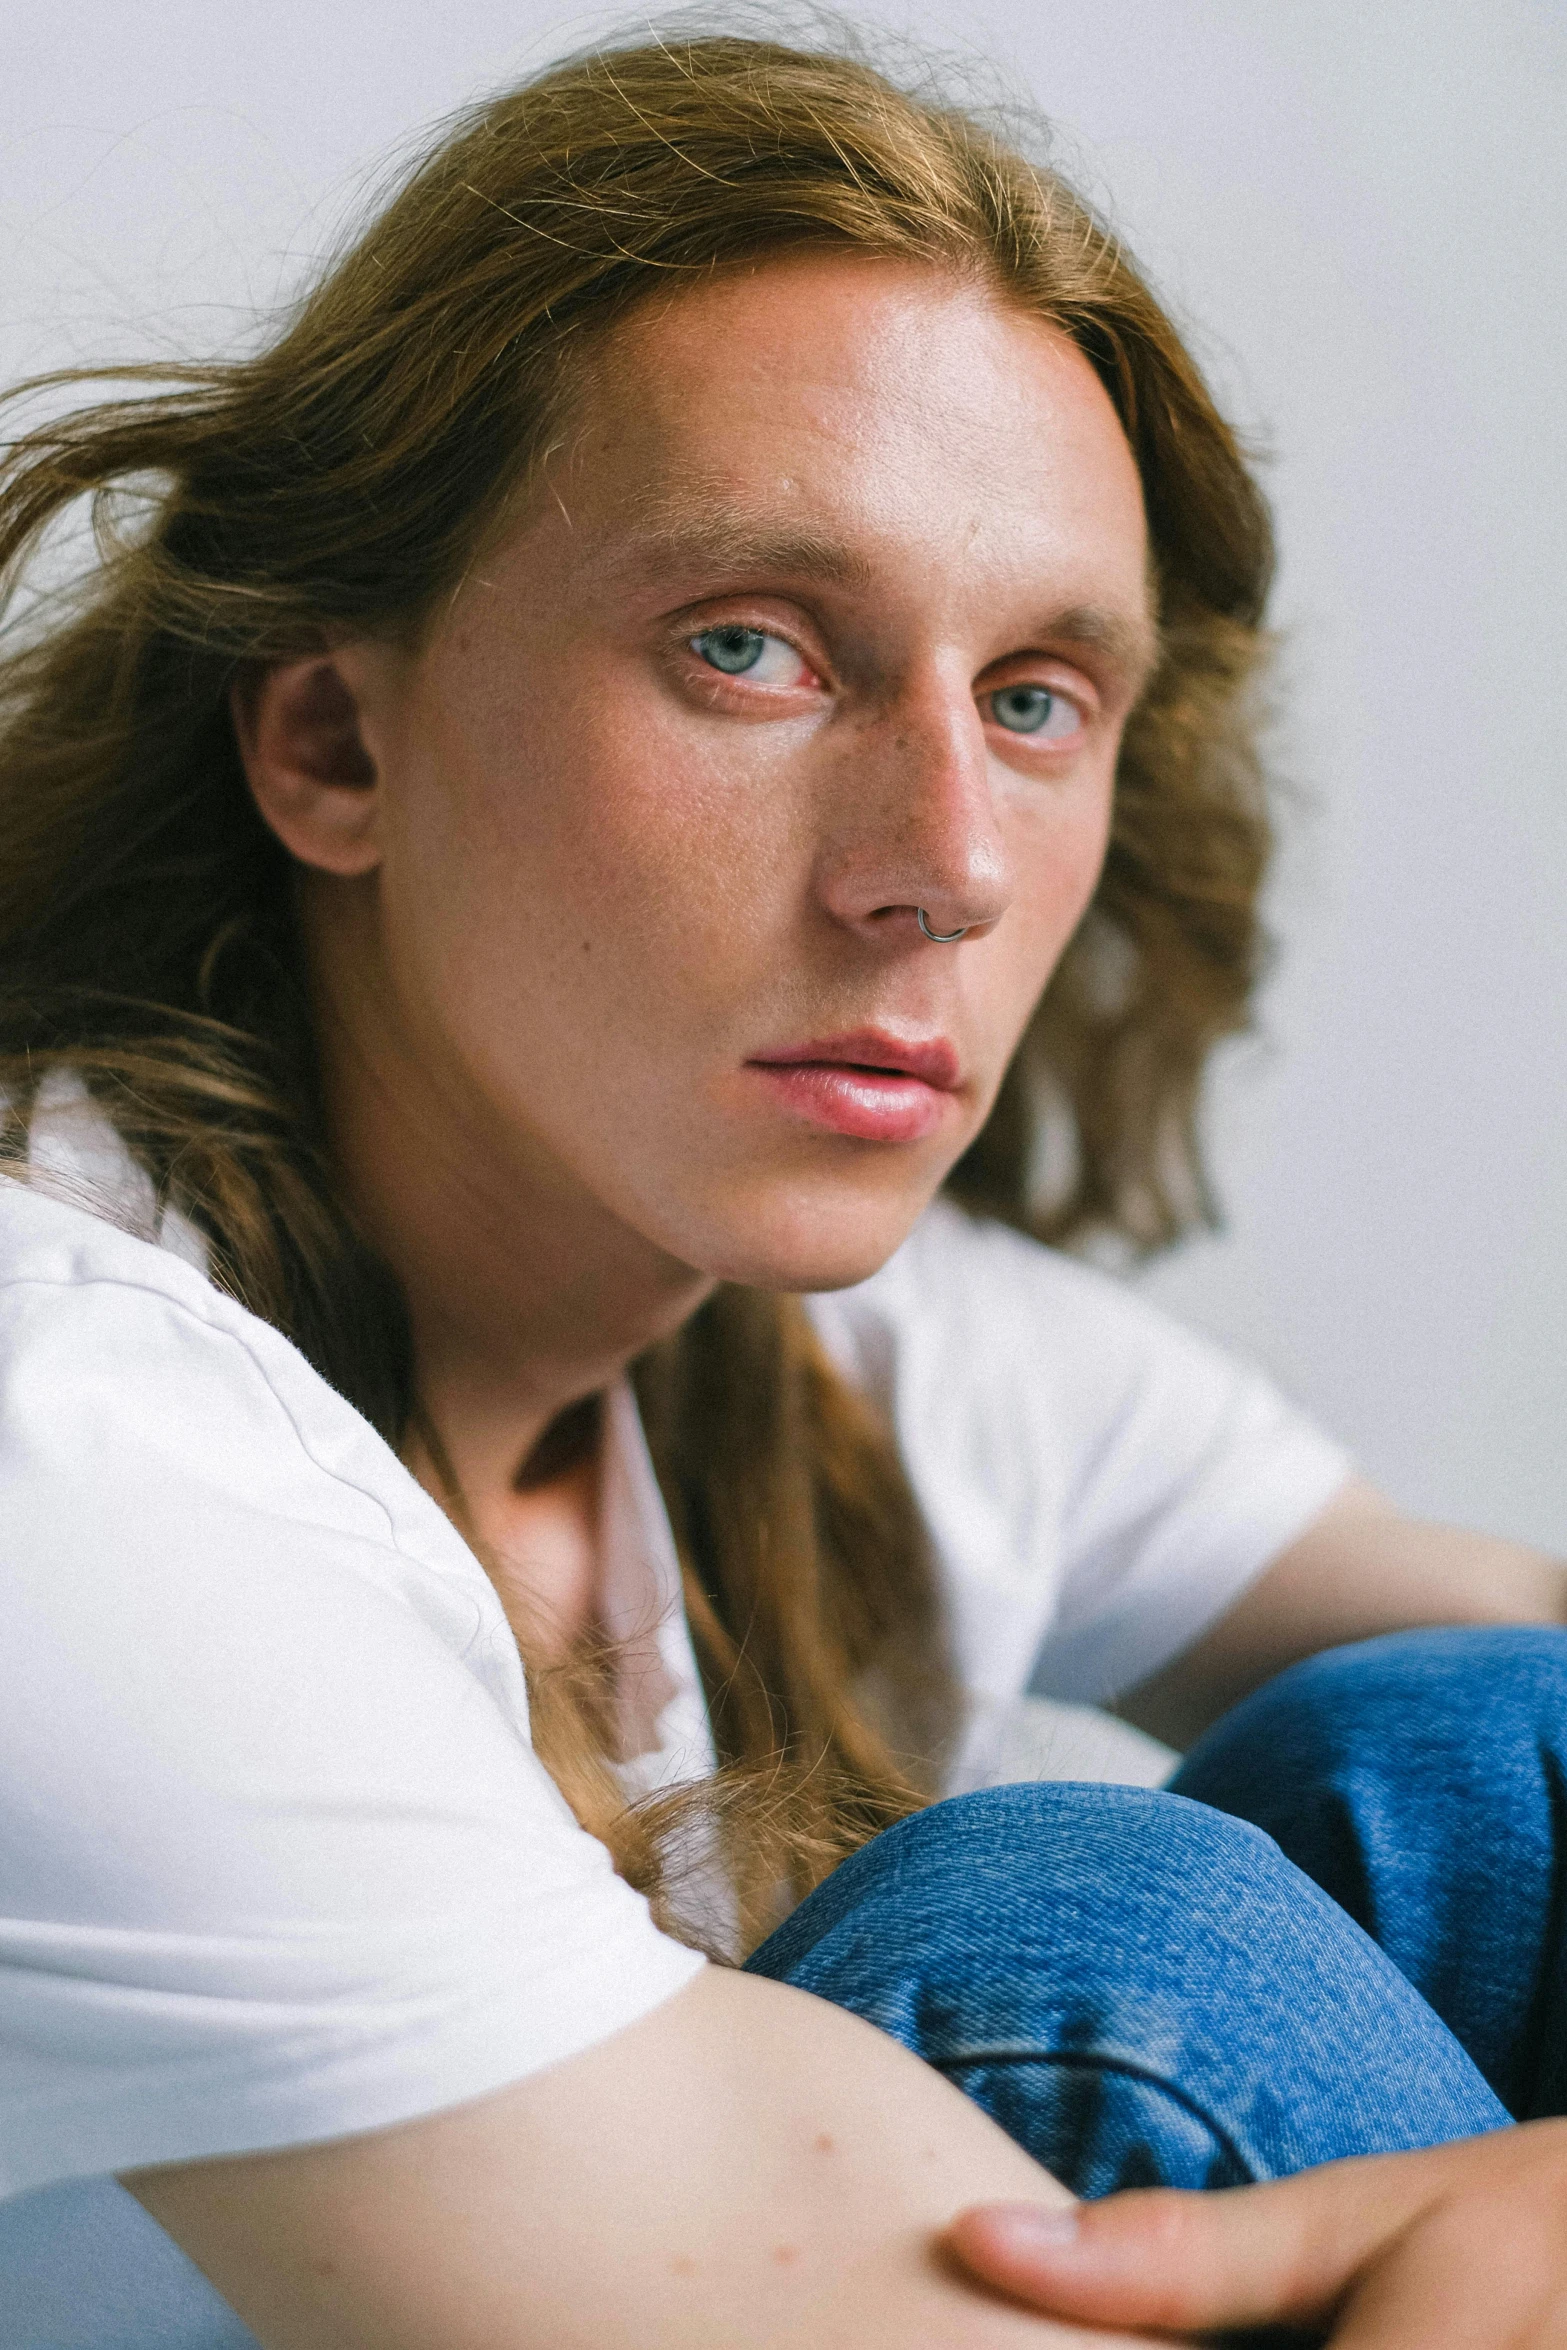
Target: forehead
(865, 414)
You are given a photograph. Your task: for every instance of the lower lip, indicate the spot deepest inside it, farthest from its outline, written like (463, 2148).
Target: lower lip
(869, 1104)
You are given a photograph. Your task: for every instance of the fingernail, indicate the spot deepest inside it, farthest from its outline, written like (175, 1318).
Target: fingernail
(1038, 2223)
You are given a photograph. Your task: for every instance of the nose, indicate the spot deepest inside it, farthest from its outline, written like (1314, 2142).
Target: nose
(914, 823)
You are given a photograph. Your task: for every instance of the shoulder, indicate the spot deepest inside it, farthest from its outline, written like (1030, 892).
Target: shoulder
(98, 1321)
(278, 1858)
(151, 1428)
(84, 1301)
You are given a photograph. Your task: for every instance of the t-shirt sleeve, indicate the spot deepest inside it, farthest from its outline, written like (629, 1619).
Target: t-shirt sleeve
(1100, 1483)
(277, 1864)
(1184, 1473)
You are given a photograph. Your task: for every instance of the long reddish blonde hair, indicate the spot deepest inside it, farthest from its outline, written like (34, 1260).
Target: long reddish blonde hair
(337, 480)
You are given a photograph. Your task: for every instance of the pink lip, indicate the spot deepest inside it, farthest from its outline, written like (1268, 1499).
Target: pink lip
(874, 1087)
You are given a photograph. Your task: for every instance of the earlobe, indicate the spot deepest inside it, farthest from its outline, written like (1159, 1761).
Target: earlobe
(302, 747)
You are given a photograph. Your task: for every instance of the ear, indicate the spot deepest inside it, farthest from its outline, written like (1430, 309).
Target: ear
(303, 751)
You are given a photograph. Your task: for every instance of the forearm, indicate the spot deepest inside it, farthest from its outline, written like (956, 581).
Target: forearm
(1361, 1569)
(747, 2167)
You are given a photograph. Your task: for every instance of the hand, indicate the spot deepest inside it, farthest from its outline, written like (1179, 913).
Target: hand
(1460, 2248)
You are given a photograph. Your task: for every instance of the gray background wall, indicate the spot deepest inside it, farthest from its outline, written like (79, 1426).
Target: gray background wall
(1358, 207)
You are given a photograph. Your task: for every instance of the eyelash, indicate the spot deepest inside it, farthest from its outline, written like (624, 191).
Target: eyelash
(770, 636)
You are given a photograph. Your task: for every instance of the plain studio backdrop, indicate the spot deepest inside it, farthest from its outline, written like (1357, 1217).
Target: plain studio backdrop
(1359, 213)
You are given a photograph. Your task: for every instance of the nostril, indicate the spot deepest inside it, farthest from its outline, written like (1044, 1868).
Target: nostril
(941, 938)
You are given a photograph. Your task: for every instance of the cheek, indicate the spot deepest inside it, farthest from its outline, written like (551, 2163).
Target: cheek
(663, 845)
(580, 843)
(1059, 852)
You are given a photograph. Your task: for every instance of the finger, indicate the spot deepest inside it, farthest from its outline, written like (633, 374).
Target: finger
(1185, 2262)
(1473, 2272)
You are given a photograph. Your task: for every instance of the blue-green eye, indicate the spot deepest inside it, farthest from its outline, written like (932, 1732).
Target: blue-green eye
(736, 650)
(733, 650)
(1034, 709)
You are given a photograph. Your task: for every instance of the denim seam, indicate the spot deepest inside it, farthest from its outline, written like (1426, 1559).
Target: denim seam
(1105, 2064)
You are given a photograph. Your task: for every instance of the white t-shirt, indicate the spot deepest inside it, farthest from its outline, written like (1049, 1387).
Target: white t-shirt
(277, 1862)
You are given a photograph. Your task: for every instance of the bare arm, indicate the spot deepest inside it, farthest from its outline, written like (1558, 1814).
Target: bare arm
(747, 2166)
(1360, 1568)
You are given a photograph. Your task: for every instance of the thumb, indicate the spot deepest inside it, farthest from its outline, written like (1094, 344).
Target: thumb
(1182, 2262)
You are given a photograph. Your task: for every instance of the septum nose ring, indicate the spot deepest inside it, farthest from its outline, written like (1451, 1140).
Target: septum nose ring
(940, 938)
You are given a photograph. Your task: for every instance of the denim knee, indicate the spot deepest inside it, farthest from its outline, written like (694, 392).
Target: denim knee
(979, 1871)
(1421, 1780)
(1489, 1688)
(1429, 1741)
(1138, 1987)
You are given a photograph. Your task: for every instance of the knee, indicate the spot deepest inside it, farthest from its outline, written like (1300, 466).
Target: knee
(1042, 1833)
(1122, 1978)
(1502, 1666)
(1050, 1834)
(1461, 1699)
(1056, 1875)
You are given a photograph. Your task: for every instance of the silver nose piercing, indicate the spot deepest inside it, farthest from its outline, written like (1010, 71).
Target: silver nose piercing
(940, 938)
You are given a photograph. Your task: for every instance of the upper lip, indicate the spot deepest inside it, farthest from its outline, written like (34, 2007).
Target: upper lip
(930, 1058)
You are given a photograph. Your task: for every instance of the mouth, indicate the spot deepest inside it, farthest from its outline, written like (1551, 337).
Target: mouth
(868, 1085)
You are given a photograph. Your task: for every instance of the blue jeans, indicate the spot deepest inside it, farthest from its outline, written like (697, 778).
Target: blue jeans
(1139, 1987)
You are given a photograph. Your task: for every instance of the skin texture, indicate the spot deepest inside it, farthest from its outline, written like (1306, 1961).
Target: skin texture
(563, 879)
(746, 2169)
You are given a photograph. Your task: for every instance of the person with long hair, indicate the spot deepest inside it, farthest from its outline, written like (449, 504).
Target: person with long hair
(630, 825)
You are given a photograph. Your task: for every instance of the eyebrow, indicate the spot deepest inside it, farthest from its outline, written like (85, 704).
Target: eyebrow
(1131, 646)
(709, 535)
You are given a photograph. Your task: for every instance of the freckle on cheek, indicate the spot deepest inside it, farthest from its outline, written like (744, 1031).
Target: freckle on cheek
(826, 2145)
(786, 2253)
(683, 2265)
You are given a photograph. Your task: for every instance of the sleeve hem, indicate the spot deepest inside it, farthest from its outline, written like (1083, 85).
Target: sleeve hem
(211, 2111)
(1170, 1605)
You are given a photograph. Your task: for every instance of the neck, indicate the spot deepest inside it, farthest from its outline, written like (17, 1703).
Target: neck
(524, 1292)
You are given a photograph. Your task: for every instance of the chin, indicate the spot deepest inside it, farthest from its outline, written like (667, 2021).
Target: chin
(802, 1241)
